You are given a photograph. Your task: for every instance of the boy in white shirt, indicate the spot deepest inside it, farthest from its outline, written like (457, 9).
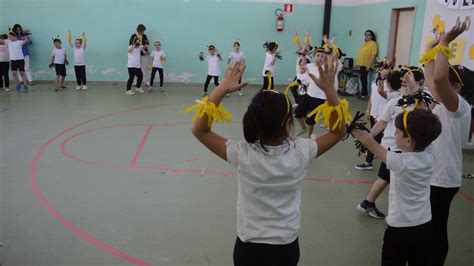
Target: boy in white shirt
(213, 69)
(235, 56)
(79, 49)
(386, 124)
(4, 64)
(17, 59)
(59, 61)
(408, 236)
(158, 56)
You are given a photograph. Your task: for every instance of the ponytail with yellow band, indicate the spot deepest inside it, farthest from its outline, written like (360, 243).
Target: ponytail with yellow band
(457, 75)
(214, 113)
(325, 111)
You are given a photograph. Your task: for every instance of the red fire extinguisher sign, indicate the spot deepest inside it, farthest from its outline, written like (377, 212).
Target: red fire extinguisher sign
(288, 9)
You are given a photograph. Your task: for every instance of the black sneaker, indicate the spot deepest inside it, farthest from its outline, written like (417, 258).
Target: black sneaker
(364, 166)
(371, 211)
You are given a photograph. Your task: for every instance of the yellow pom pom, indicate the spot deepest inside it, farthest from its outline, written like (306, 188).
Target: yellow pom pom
(325, 111)
(204, 106)
(296, 39)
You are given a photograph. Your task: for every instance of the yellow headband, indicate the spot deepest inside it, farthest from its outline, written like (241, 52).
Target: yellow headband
(457, 75)
(405, 116)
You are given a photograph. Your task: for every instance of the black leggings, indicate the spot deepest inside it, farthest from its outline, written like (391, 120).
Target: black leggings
(265, 83)
(208, 79)
(80, 75)
(153, 74)
(4, 68)
(256, 254)
(364, 73)
(440, 202)
(378, 138)
(132, 73)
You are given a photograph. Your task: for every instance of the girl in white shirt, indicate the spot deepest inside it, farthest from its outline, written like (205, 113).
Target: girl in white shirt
(4, 65)
(59, 61)
(17, 59)
(447, 84)
(269, 65)
(134, 66)
(235, 56)
(213, 69)
(79, 49)
(159, 57)
(271, 166)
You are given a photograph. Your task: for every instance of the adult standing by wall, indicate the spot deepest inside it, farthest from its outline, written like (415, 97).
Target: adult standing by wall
(366, 59)
(144, 54)
(26, 52)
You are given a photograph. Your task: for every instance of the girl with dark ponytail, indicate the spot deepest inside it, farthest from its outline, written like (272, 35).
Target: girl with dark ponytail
(271, 166)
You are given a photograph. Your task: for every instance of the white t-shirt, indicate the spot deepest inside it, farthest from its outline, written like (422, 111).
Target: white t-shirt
(213, 68)
(409, 193)
(389, 112)
(269, 188)
(59, 55)
(79, 59)
(15, 49)
(305, 79)
(313, 89)
(234, 57)
(376, 100)
(4, 55)
(448, 146)
(267, 66)
(157, 58)
(134, 58)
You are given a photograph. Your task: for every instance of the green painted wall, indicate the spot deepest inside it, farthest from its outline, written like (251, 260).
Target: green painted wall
(377, 18)
(186, 27)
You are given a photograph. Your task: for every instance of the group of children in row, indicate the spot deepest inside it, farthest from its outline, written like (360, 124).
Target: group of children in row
(425, 120)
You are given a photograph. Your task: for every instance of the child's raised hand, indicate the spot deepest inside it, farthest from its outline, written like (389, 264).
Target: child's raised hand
(433, 43)
(409, 84)
(457, 30)
(327, 73)
(233, 76)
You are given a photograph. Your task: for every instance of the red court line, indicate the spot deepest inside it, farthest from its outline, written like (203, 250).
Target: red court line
(133, 163)
(36, 189)
(466, 196)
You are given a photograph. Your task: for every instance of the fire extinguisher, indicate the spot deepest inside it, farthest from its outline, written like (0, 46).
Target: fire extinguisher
(280, 19)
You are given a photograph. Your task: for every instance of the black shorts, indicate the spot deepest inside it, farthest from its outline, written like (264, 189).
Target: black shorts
(18, 65)
(306, 105)
(60, 69)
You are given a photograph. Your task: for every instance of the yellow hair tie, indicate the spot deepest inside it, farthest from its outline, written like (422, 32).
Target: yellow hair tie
(269, 77)
(204, 106)
(324, 111)
(431, 54)
(405, 116)
(296, 39)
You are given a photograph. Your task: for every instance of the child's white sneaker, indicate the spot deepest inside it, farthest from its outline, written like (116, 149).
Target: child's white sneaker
(84, 88)
(130, 92)
(139, 90)
(203, 93)
(7, 89)
(241, 93)
(78, 88)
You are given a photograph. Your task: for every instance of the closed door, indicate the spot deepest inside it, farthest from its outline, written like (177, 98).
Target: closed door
(404, 36)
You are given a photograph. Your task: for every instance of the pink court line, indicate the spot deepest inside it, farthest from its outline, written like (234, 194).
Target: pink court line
(133, 163)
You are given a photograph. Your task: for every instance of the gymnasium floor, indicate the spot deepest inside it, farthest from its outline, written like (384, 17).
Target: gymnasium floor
(101, 178)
